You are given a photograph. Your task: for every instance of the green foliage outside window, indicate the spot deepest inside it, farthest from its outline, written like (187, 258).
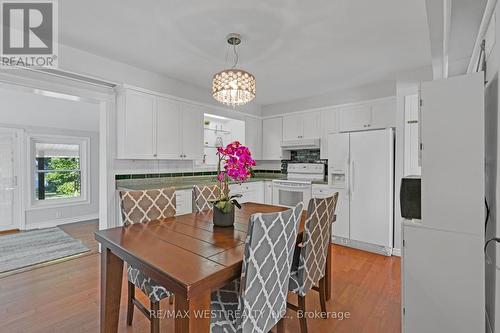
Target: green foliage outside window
(62, 178)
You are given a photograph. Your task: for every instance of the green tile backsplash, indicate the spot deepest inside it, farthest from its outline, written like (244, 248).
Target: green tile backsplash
(180, 174)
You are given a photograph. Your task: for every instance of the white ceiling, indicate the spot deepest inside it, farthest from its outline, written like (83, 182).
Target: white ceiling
(295, 48)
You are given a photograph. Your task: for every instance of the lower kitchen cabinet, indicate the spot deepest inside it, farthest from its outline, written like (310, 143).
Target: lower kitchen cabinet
(340, 229)
(251, 192)
(268, 192)
(184, 201)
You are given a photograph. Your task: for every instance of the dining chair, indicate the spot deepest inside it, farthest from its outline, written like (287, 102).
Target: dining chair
(143, 207)
(257, 301)
(311, 252)
(202, 196)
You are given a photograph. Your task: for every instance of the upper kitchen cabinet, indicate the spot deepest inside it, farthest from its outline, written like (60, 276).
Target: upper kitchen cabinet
(272, 134)
(136, 125)
(191, 131)
(367, 116)
(302, 126)
(384, 113)
(355, 118)
(329, 125)
(253, 136)
(168, 120)
(154, 127)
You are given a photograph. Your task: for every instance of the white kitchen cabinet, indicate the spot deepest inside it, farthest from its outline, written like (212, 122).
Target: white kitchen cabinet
(154, 127)
(253, 136)
(251, 192)
(371, 115)
(341, 226)
(168, 120)
(292, 129)
(442, 281)
(192, 131)
(329, 125)
(268, 192)
(412, 139)
(302, 126)
(184, 201)
(383, 114)
(272, 134)
(136, 125)
(355, 118)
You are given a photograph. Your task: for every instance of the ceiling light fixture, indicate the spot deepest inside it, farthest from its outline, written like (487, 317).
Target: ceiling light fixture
(233, 86)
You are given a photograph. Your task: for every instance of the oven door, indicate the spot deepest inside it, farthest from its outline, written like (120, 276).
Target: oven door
(289, 194)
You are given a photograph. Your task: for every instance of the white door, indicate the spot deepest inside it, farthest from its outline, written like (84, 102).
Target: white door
(311, 125)
(412, 141)
(272, 130)
(292, 127)
(443, 288)
(453, 161)
(341, 226)
(192, 132)
(9, 189)
(371, 187)
(139, 138)
(253, 136)
(355, 118)
(384, 114)
(338, 173)
(329, 125)
(168, 122)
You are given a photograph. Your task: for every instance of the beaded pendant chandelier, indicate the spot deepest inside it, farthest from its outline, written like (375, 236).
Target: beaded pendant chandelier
(233, 86)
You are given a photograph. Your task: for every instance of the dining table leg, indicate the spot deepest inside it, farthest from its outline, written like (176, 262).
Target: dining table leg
(328, 274)
(111, 287)
(193, 314)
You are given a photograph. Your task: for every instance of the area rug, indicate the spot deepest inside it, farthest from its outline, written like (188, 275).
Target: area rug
(31, 248)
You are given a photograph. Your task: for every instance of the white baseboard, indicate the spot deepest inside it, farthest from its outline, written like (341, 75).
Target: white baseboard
(396, 252)
(55, 223)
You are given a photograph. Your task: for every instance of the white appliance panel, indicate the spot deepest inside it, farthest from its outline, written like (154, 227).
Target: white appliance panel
(452, 120)
(341, 225)
(371, 187)
(441, 289)
(290, 193)
(338, 160)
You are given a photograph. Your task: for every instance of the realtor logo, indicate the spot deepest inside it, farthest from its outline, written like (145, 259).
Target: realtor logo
(29, 33)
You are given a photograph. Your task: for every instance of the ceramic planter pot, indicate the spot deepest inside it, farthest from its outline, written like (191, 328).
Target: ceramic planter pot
(221, 219)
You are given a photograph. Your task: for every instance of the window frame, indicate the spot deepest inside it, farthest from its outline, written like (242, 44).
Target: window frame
(84, 144)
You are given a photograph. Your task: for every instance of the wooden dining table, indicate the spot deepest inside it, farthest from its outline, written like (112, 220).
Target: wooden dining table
(186, 254)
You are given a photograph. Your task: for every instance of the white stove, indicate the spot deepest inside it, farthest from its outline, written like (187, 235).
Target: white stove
(298, 185)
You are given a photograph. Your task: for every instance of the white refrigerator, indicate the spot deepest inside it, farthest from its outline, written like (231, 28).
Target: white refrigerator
(361, 169)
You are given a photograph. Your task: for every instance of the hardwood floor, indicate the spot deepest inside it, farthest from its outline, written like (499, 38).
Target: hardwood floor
(65, 297)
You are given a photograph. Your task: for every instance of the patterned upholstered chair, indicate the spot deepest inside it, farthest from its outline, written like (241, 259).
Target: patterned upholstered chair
(202, 196)
(257, 301)
(143, 207)
(311, 253)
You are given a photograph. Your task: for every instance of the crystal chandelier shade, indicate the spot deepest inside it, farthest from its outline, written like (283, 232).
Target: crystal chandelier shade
(233, 87)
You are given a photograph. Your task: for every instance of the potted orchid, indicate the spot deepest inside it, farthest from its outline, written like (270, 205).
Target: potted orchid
(235, 163)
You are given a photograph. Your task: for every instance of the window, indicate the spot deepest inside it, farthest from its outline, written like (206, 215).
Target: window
(58, 169)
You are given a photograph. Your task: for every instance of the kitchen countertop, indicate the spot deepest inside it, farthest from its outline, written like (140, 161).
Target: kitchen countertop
(182, 183)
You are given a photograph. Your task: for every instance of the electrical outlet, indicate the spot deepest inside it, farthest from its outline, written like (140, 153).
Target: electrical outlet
(58, 215)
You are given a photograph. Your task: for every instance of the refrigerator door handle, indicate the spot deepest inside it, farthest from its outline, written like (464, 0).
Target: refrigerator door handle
(351, 178)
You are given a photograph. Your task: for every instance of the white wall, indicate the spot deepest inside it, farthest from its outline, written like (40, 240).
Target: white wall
(492, 180)
(40, 115)
(337, 97)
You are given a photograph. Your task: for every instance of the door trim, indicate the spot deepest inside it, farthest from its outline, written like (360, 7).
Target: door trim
(17, 202)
